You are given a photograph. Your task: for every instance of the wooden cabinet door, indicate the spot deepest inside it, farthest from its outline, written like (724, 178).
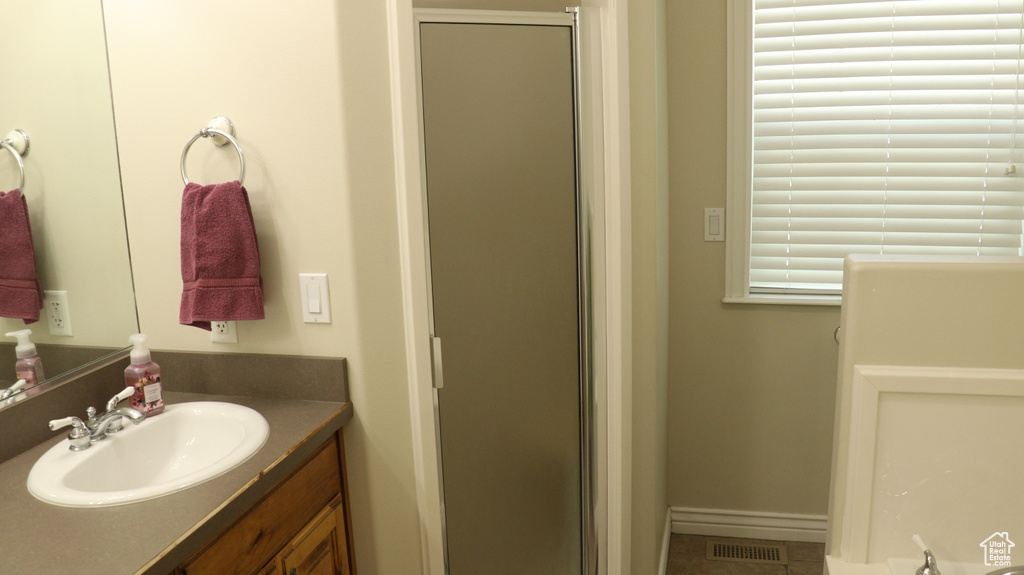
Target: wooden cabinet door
(273, 522)
(320, 548)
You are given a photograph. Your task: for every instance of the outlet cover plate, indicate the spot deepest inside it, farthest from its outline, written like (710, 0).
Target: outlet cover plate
(57, 312)
(223, 332)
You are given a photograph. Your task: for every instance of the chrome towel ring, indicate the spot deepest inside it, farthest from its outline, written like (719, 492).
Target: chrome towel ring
(17, 144)
(221, 130)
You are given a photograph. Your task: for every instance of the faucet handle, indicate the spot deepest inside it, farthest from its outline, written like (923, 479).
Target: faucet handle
(5, 393)
(115, 424)
(121, 396)
(72, 421)
(79, 434)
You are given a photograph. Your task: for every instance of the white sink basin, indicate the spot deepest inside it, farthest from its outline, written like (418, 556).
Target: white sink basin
(185, 445)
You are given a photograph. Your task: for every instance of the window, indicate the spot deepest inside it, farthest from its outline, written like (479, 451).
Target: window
(869, 126)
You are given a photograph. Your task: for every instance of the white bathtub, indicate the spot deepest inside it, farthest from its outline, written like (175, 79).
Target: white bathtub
(901, 566)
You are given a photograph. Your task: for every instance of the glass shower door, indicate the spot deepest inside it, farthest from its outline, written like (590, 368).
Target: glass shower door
(500, 151)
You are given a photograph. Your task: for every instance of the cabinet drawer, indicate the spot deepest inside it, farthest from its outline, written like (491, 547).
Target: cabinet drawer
(255, 538)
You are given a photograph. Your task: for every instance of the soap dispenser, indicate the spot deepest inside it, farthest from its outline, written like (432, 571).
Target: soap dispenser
(29, 366)
(144, 376)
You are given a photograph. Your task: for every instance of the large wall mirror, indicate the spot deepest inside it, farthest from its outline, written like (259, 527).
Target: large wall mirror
(57, 90)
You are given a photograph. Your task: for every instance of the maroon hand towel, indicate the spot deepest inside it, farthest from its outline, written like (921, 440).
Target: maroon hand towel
(20, 294)
(220, 261)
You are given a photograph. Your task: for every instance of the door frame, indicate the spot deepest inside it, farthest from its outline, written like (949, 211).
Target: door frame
(605, 155)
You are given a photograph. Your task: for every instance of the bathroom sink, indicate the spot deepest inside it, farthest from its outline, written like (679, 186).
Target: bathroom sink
(185, 445)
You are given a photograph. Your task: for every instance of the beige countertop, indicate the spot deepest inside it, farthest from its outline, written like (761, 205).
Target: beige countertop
(154, 536)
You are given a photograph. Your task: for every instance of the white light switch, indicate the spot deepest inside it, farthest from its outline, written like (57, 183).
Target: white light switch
(313, 297)
(316, 299)
(714, 224)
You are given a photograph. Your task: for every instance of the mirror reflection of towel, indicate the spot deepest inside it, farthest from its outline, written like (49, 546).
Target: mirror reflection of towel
(220, 260)
(20, 294)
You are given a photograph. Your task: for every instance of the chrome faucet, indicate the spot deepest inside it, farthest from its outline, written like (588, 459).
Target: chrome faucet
(114, 424)
(930, 567)
(105, 423)
(96, 428)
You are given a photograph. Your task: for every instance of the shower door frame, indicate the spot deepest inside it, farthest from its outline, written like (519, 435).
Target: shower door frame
(605, 88)
(570, 19)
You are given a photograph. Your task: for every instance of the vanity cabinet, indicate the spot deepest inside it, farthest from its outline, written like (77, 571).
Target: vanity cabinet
(302, 526)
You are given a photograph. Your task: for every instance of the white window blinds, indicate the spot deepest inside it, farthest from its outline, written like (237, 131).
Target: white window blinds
(882, 127)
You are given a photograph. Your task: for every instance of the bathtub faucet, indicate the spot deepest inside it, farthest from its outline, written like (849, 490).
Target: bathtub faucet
(930, 567)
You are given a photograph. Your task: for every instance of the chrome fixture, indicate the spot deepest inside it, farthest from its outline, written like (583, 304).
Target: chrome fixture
(930, 567)
(114, 425)
(96, 427)
(16, 142)
(5, 393)
(79, 434)
(220, 130)
(106, 422)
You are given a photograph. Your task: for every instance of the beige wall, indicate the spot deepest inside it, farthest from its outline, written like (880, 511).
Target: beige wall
(307, 86)
(752, 388)
(649, 194)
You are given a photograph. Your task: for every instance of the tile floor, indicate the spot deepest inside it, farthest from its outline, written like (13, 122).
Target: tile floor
(687, 557)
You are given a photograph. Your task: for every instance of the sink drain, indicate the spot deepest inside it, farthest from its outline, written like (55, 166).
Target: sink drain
(747, 552)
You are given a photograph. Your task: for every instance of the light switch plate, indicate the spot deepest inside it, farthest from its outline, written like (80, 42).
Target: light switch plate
(316, 298)
(714, 224)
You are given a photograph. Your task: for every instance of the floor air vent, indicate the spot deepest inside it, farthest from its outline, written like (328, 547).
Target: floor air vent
(747, 552)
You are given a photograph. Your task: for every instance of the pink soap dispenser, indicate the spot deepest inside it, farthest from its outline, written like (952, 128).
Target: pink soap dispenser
(144, 376)
(29, 366)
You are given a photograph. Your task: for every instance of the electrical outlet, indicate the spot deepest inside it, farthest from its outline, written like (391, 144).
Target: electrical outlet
(223, 332)
(58, 314)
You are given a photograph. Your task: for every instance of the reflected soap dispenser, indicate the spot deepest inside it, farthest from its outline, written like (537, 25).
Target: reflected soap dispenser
(29, 366)
(144, 376)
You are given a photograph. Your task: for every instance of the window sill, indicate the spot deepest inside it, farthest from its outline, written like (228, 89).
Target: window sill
(775, 299)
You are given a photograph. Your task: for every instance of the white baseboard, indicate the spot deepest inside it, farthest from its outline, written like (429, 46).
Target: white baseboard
(749, 524)
(666, 540)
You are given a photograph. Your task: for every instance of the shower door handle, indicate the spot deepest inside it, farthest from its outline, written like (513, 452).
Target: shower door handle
(435, 356)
